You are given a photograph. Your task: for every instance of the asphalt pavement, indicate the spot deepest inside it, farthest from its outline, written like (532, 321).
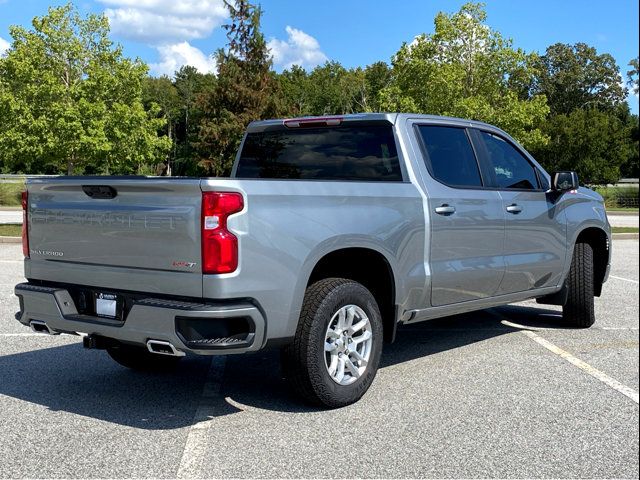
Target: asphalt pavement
(508, 392)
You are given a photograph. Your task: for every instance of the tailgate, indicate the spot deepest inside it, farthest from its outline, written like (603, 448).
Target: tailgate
(146, 229)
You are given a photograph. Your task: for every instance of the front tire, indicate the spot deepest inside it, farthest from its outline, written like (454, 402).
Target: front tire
(141, 359)
(579, 310)
(336, 351)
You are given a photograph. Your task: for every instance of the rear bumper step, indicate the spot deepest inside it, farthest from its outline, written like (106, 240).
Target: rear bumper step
(171, 327)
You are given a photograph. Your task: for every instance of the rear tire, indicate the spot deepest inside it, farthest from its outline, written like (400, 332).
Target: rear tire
(336, 351)
(579, 309)
(141, 359)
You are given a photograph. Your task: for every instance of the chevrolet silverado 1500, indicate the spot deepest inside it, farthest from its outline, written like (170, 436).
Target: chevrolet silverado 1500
(329, 234)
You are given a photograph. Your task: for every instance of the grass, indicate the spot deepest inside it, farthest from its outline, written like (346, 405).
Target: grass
(624, 229)
(10, 193)
(10, 230)
(619, 197)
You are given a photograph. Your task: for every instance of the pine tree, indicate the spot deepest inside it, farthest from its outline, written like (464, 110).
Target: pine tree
(244, 90)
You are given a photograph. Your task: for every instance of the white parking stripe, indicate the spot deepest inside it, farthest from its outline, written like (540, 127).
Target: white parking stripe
(25, 335)
(194, 449)
(625, 279)
(594, 372)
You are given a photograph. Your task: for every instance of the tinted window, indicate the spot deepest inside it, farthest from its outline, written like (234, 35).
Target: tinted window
(450, 158)
(328, 153)
(512, 169)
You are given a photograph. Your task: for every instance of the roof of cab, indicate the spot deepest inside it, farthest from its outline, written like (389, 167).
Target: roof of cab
(393, 118)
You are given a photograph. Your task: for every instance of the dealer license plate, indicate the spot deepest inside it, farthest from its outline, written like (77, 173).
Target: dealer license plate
(106, 305)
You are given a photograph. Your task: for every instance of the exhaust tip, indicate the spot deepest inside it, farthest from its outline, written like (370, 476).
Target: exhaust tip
(161, 347)
(39, 326)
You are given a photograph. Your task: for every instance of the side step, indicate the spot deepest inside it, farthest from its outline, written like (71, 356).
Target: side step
(221, 341)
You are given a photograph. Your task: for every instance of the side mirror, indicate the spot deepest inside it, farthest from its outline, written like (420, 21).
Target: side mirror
(564, 181)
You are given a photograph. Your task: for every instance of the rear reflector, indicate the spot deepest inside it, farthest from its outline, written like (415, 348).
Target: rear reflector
(219, 245)
(313, 122)
(25, 224)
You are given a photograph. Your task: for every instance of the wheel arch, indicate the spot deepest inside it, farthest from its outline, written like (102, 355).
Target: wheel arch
(367, 266)
(599, 241)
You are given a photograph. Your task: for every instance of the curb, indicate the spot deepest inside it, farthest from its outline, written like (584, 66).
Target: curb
(624, 236)
(10, 239)
(622, 214)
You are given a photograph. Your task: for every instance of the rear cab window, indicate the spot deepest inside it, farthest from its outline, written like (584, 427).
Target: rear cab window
(347, 152)
(449, 156)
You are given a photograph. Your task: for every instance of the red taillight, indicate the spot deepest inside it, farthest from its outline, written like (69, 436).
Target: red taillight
(25, 225)
(219, 245)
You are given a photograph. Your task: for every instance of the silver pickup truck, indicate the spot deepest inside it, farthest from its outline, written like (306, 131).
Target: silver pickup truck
(329, 234)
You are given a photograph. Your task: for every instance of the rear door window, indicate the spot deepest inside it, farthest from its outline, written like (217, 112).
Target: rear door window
(512, 170)
(449, 156)
(361, 153)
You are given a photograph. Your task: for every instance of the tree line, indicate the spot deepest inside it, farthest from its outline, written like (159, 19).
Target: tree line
(71, 102)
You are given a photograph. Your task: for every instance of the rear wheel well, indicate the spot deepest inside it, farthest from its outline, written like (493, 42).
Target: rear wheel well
(599, 242)
(371, 269)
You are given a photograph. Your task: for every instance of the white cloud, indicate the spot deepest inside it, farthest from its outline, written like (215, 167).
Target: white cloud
(300, 49)
(4, 46)
(167, 25)
(164, 21)
(174, 56)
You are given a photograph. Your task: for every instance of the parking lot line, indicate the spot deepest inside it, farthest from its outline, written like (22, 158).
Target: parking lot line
(622, 278)
(22, 335)
(194, 449)
(618, 328)
(594, 372)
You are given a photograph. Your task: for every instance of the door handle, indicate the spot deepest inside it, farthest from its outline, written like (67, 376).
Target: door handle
(445, 209)
(514, 208)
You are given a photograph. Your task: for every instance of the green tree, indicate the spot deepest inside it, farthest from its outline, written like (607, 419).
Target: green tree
(335, 90)
(70, 101)
(244, 90)
(592, 142)
(576, 76)
(190, 84)
(377, 76)
(331, 89)
(295, 88)
(631, 167)
(632, 75)
(160, 95)
(463, 69)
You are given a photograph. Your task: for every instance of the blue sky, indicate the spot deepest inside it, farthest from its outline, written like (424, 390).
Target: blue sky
(169, 33)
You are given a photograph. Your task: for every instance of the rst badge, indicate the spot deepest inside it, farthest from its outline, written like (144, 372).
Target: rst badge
(182, 264)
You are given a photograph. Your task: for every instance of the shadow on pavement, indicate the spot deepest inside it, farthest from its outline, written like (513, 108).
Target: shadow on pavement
(88, 383)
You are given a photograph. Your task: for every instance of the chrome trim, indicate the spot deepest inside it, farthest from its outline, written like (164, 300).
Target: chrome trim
(49, 331)
(174, 351)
